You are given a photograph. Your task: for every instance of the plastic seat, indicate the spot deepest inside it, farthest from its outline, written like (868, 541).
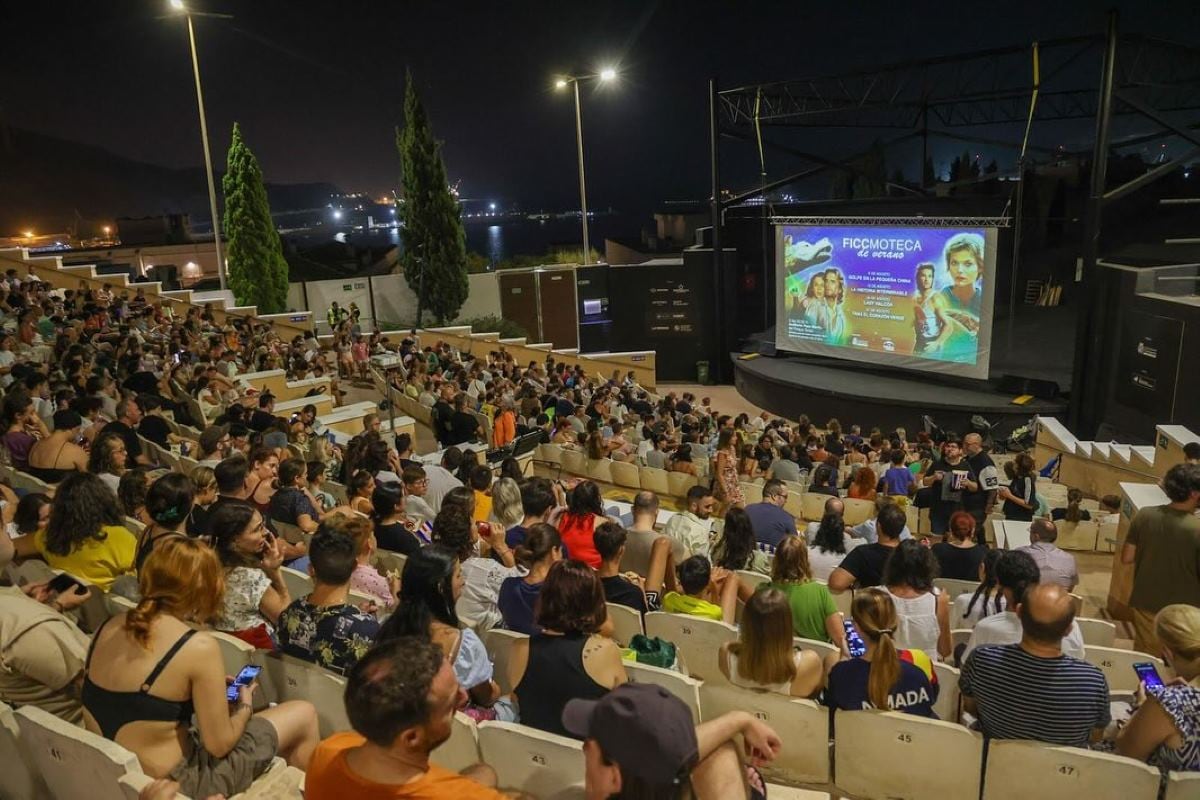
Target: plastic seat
(235, 653)
(959, 636)
(627, 623)
(549, 454)
(752, 492)
(72, 761)
(19, 778)
(696, 640)
(841, 600)
(953, 588)
(912, 758)
(752, 579)
(291, 533)
(390, 561)
(678, 483)
(820, 648)
(1117, 666)
(285, 678)
(947, 705)
(1182, 786)
(298, 583)
(802, 726)
(118, 604)
(1017, 770)
(794, 505)
(858, 511)
(1097, 632)
(461, 750)
(535, 762)
(685, 688)
(812, 506)
(654, 480)
(600, 469)
(625, 474)
(574, 462)
(499, 645)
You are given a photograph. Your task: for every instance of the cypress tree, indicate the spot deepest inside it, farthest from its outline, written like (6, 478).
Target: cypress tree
(256, 268)
(432, 232)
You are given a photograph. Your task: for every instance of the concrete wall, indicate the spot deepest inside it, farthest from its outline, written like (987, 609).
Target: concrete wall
(195, 261)
(344, 291)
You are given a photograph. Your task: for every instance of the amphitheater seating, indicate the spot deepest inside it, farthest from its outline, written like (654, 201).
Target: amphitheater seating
(298, 583)
(857, 511)
(822, 649)
(600, 470)
(653, 480)
(19, 777)
(802, 725)
(752, 492)
(285, 678)
(1097, 632)
(1018, 770)
(678, 483)
(1182, 786)
(912, 758)
(461, 750)
(625, 474)
(1117, 666)
(72, 761)
(947, 705)
(697, 641)
(627, 623)
(389, 561)
(541, 764)
(685, 688)
(499, 646)
(235, 653)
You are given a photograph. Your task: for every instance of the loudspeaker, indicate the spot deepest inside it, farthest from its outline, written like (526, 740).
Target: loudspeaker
(1016, 385)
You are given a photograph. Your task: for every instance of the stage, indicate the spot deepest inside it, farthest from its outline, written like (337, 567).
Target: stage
(870, 396)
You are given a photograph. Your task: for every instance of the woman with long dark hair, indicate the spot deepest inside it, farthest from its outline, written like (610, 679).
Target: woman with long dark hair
(923, 612)
(567, 658)
(1020, 496)
(585, 513)
(517, 598)
(988, 599)
(429, 590)
(829, 545)
(255, 593)
(167, 505)
(737, 548)
(725, 470)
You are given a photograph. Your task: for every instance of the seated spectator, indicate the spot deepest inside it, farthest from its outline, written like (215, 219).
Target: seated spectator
(1165, 728)
(85, 534)
(814, 615)
(168, 503)
(1057, 565)
(30, 514)
(885, 676)
(863, 566)
(23, 427)
(824, 481)
(567, 658)
(415, 487)
(263, 480)
(366, 578)
(641, 593)
(691, 527)
(641, 536)
(898, 480)
(1073, 512)
(988, 599)
(108, 459)
(1110, 510)
(480, 481)
(215, 445)
(770, 522)
(292, 503)
(862, 485)
(681, 460)
(960, 555)
(1016, 572)
(507, 510)
(401, 698)
(585, 513)
(737, 548)
(324, 627)
(359, 490)
(204, 487)
(783, 468)
(517, 597)
(1032, 690)
(705, 592)
(59, 454)
(314, 474)
(537, 503)
(394, 530)
(922, 611)
(486, 564)
(429, 589)
(763, 656)
(255, 592)
(640, 742)
(829, 540)
(150, 667)
(131, 494)
(44, 650)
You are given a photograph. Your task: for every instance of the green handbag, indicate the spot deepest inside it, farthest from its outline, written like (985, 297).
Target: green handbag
(656, 652)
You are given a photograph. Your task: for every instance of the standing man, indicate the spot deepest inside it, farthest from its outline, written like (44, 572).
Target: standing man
(1164, 546)
(949, 477)
(1056, 565)
(979, 503)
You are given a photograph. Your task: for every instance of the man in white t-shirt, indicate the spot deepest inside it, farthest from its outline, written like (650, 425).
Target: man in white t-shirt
(1016, 572)
(7, 359)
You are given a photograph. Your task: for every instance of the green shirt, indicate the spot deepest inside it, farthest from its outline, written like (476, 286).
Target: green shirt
(1167, 559)
(811, 605)
(676, 603)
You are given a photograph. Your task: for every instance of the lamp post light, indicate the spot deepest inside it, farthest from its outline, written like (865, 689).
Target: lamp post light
(179, 7)
(605, 75)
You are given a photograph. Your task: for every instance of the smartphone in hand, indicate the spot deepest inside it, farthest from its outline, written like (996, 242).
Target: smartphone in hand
(246, 677)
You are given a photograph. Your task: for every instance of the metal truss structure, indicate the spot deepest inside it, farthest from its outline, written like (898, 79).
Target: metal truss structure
(908, 222)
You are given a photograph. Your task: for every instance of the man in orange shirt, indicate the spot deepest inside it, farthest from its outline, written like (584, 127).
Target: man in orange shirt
(400, 699)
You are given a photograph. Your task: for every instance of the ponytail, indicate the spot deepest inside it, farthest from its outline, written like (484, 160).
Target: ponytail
(139, 619)
(1074, 498)
(885, 670)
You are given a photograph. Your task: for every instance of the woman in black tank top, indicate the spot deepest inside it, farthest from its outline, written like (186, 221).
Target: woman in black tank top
(570, 658)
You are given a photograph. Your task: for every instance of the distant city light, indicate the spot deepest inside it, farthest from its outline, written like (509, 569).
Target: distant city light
(107, 230)
(28, 234)
(607, 74)
(491, 206)
(177, 5)
(337, 214)
(561, 83)
(393, 212)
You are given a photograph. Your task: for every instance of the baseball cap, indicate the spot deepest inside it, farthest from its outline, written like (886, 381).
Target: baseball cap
(642, 727)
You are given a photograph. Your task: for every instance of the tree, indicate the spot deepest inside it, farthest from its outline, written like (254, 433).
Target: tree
(432, 232)
(992, 168)
(257, 270)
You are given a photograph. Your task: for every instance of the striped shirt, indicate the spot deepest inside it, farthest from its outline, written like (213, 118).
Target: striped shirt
(1021, 696)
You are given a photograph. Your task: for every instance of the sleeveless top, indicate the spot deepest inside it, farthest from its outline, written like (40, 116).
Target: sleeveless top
(917, 623)
(737, 680)
(577, 532)
(114, 710)
(554, 675)
(263, 508)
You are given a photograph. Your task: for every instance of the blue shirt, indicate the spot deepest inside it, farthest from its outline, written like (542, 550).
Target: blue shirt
(897, 480)
(771, 524)
(515, 535)
(516, 600)
(912, 692)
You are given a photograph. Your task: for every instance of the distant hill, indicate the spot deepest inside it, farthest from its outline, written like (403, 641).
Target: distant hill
(45, 181)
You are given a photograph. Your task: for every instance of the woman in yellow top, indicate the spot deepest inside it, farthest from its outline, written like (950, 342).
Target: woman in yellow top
(85, 535)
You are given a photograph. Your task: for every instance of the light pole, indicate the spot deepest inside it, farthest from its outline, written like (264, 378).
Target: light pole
(178, 6)
(606, 74)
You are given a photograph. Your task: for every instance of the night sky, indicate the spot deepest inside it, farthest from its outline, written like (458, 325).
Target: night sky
(318, 87)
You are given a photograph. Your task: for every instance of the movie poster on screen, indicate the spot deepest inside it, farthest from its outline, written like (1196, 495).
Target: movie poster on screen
(914, 297)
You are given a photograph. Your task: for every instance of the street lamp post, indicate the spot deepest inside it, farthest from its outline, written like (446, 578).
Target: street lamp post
(606, 74)
(179, 6)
